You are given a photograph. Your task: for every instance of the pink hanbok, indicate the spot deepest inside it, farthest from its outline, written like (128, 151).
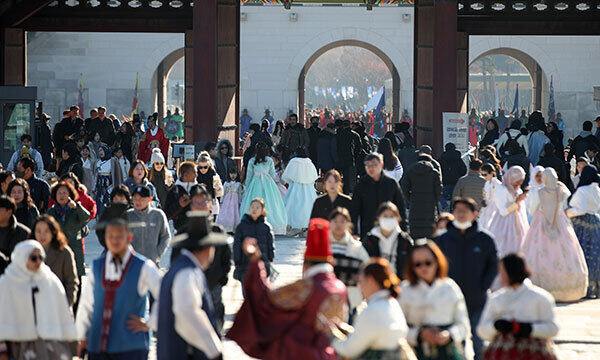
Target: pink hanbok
(280, 184)
(551, 248)
(509, 226)
(229, 215)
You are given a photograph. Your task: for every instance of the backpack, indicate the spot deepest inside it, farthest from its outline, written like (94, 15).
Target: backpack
(507, 145)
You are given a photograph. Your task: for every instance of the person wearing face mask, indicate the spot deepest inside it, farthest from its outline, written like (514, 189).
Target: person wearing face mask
(471, 253)
(387, 239)
(37, 303)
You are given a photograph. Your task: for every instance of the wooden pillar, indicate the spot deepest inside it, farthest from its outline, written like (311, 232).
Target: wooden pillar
(189, 86)
(161, 92)
(462, 72)
(435, 68)
(537, 88)
(13, 57)
(215, 70)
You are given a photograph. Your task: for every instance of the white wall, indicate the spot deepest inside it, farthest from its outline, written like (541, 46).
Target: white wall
(108, 62)
(274, 50)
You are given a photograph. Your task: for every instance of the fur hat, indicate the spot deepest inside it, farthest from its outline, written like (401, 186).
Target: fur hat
(157, 156)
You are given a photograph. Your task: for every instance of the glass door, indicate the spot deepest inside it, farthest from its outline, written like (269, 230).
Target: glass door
(16, 119)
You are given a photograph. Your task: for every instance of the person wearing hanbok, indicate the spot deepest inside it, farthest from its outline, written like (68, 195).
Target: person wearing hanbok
(487, 213)
(551, 247)
(278, 172)
(260, 184)
(434, 307)
(584, 209)
(518, 320)
(229, 216)
(301, 174)
(510, 226)
(35, 321)
(535, 184)
(379, 331)
(104, 177)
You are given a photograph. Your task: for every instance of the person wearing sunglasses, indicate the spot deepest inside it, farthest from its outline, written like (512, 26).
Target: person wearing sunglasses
(434, 306)
(211, 180)
(38, 305)
(159, 176)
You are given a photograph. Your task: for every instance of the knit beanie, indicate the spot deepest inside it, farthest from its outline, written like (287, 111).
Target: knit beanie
(157, 156)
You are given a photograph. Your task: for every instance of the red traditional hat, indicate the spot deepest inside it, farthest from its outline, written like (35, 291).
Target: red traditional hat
(318, 246)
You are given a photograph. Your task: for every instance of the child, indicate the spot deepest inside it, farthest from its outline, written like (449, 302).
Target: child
(253, 225)
(278, 172)
(89, 166)
(124, 163)
(104, 177)
(229, 216)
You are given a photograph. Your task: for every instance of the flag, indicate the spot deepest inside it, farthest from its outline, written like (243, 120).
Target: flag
(551, 108)
(324, 92)
(316, 91)
(515, 110)
(344, 93)
(135, 96)
(496, 101)
(80, 95)
(376, 103)
(370, 91)
(350, 92)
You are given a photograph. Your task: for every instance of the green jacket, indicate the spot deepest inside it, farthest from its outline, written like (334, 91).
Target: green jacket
(71, 225)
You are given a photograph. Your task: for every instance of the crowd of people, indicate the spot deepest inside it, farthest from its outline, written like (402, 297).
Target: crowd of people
(408, 255)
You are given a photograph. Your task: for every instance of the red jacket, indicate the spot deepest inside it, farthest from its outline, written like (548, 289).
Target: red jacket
(149, 142)
(284, 323)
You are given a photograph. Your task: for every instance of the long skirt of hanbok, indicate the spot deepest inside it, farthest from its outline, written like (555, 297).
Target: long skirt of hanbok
(486, 215)
(262, 186)
(507, 347)
(299, 201)
(103, 184)
(587, 229)
(509, 231)
(229, 216)
(40, 349)
(557, 262)
(404, 352)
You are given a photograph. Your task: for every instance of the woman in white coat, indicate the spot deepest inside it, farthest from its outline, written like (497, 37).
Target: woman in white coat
(434, 306)
(518, 319)
(380, 329)
(301, 174)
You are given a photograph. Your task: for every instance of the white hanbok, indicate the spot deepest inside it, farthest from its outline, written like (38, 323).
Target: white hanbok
(489, 211)
(301, 174)
(510, 225)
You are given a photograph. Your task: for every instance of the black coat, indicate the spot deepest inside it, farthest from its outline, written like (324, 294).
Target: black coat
(3, 262)
(404, 243)
(66, 127)
(73, 164)
(26, 215)
(557, 164)
(408, 156)
(327, 156)
(422, 185)
(580, 144)
(349, 148)
(556, 138)
(323, 206)
(218, 271)
(224, 164)
(106, 129)
(472, 260)
(45, 144)
(40, 192)
(368, 195)
(453, 167)
(489, 138)
(313, 136)
(263, 233)
(12, 235)
(173, 210)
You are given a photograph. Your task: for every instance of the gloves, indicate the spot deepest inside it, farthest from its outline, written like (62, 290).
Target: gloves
(503, 326)
(524, 330)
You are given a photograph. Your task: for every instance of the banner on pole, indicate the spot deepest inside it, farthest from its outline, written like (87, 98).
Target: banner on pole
(456, 130)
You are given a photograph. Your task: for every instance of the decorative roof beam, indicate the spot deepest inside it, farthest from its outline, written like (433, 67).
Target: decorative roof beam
(22, 11)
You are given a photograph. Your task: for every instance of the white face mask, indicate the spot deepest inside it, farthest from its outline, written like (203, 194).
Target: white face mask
(462, 225)
(388, 223)
(441, 232)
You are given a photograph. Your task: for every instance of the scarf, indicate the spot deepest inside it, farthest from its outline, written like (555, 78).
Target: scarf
(207, 180)
(187, 186)
(513, 175)
(589, 175)
(34, 303)
(61, 210)
(552, 196)
(533, 185)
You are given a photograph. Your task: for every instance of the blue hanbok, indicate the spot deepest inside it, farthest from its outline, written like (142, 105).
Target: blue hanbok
(260, 183)
(301, 175)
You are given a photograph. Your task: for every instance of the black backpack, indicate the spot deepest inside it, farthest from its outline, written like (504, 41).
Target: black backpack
(507, 145)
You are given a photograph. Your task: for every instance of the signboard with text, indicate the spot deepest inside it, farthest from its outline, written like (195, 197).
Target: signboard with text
(456, 130)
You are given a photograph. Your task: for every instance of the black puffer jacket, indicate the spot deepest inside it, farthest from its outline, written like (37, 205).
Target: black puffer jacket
(12, 235)
(263, 233)
(224, 163)
(368, 195)
(349, 148)
(453, 167)
(422, 185)
(218, 271)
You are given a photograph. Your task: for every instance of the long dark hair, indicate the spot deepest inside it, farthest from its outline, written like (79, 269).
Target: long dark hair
(496, 127)
(278, 128)
(262, 151)
(27, 200)
(59, 240)
(390, 160)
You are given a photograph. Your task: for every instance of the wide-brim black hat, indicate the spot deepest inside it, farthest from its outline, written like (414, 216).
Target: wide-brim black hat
(199, 232)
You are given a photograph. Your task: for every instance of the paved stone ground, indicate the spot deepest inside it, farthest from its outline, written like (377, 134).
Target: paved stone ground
(578, 339)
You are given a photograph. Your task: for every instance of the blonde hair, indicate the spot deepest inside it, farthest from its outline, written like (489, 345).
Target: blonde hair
(204, 157)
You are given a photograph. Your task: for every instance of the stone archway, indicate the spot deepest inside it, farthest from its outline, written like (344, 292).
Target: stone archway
(159, 80)
(539, 78)
(396, 86)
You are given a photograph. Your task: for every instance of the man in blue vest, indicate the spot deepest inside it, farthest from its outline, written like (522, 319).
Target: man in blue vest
(187, 327)
(111, 315)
